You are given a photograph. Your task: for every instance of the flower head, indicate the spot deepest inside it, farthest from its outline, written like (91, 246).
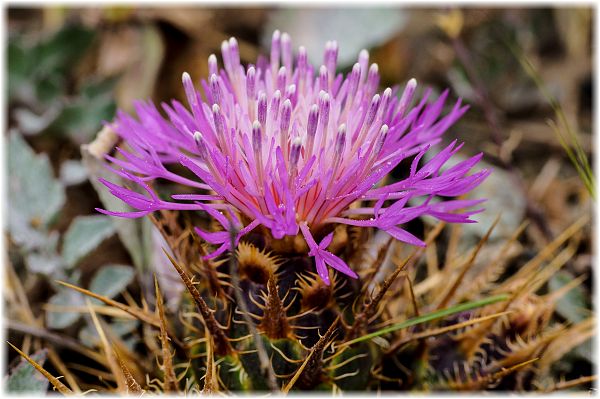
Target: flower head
(291, 147)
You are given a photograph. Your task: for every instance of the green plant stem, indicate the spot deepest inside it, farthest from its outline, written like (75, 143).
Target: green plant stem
(431, 316)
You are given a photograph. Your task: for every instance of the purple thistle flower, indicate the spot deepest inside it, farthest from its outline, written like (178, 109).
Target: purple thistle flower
(292, 148)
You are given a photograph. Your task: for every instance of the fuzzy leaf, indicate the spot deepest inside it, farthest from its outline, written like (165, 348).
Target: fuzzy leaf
(572, 306)
(110, 280)
(61, 319)
(84, 234)
(34, 195)
(81, 119)
(72, 172)
(24, 378)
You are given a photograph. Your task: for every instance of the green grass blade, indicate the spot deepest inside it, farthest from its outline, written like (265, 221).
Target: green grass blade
(431, 316)
(569, 141)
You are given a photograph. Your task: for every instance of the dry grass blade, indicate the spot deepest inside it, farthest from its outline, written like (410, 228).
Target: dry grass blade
(470, 262)
(546, 252)
(494, 268)
(102, 310)
(572, 383)
(570, 142)
(59, 386)
(135, 312)
(442, 330)
(211, 383)
(62, 369)
(132, 385)
(170, 380)
(361, 320)
(108, 352)
(57, 339)
(317, 349)
(222, 345)
(507, 371)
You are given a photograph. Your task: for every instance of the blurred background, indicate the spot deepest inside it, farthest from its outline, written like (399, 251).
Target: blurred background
(527, 74)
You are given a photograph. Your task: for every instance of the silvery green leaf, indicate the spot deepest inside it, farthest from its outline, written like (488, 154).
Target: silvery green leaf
(44, 263)
(25, 379)
(72, 172)
(45, 259)
(57, 317)
(573, 305)
(88, 335)
(353, 28)
(30, 123)
(111, 280)
(84, 234)
(34, 195)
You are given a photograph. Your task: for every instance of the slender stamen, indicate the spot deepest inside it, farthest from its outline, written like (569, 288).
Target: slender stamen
(190, 93)
(331, 55)
(234, 52)
(286, 51)
(323, 78)
(380, 140)
(226, 56)
(281, 78)
(340, 144)
(251, 91)
(275, 50)
(262, 108)
(290, 93)
(284, 125)
(294, 157)
(201, 146)
(324, 107)
(373, 78)
(385, 100)
(219, 122)
(302, 61)
(363, 60)
(257, 147)
(407, 96)
(251, 82)
(212, 65)
(274, 108)
(215, 89)
(311, 129)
